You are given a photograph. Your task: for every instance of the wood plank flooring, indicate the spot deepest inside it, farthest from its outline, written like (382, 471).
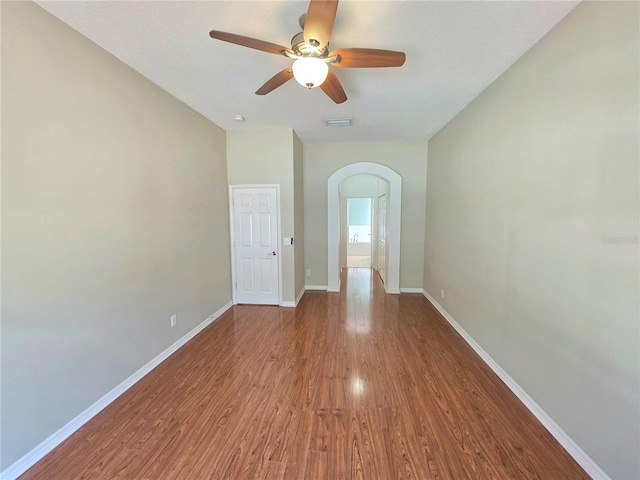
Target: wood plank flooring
(350, 385)
(363, 261)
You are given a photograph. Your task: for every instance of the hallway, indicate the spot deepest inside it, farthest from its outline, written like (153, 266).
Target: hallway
(357, 384)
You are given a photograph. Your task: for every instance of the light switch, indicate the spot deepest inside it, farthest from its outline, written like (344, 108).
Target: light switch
(287, 241)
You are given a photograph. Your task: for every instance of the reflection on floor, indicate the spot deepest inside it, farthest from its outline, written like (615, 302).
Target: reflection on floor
(359, 261)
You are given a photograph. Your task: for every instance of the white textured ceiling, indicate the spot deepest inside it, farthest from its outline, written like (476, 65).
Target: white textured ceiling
(455, 49)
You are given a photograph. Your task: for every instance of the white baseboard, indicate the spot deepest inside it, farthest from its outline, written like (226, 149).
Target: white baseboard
(335, 289)
(411, 290)
(289, 303)
(300, 296)
(315, 287)
(30, 458)
(560, 435)
(393, 291)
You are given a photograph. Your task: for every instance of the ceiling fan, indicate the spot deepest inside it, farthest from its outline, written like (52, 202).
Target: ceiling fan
(310, 50)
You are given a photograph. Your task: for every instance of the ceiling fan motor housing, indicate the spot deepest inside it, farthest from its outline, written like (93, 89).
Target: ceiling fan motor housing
(303, 49)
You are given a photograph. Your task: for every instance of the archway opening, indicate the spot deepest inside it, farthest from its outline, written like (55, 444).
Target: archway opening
(391, 267)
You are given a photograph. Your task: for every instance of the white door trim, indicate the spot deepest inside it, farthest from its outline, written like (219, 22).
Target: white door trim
(232, 237)
(384, 269)
(394, 214)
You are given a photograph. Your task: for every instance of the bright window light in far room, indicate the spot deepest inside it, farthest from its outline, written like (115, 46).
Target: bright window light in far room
(310, 72)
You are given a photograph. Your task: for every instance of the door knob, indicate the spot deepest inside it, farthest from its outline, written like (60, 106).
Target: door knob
(272, 253)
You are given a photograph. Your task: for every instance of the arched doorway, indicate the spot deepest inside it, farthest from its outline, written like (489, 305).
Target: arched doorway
(394, 213)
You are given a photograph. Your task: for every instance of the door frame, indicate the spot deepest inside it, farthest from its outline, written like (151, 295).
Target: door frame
(394, 217)
(232, 236)
(378, 237)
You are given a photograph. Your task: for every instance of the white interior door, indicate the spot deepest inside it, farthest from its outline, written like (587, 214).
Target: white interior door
(382, 234)
(255, 227)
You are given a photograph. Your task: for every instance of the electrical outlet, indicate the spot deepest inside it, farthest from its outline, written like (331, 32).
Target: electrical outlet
(308, 272)
(174, 320)
(442, 293)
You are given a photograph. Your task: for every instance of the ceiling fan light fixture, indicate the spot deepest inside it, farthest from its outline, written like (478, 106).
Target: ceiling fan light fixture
(310, 72)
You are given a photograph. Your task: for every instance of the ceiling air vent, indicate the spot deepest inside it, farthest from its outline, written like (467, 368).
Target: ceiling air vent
(338, 122)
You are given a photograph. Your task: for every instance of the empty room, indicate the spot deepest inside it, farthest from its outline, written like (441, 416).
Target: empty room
(320, 240)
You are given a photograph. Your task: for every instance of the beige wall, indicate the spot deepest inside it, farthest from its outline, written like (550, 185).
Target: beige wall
(267, 157)
(408, 159)
(526, 188)
(298, 237)
(114, 217)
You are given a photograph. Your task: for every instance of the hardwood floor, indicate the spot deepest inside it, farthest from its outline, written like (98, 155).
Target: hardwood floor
(355, 385)
(359, 261)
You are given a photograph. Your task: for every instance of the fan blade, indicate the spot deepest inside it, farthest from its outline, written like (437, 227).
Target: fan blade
(249, 42)
(332, 87)
(274, 82)
(318, 23)
(367, 58)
